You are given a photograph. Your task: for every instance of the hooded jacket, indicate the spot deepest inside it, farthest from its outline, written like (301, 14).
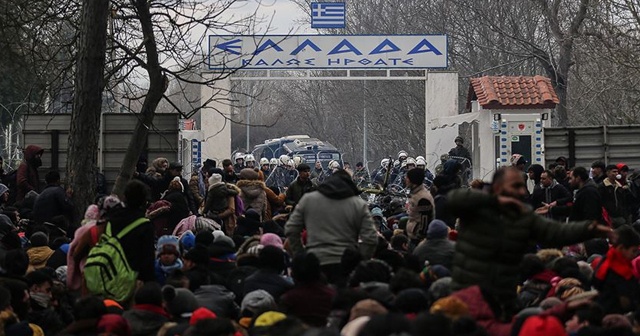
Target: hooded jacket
(218, 198)
(27, 176)
(253, 196)
(335, 218)
(218, 299)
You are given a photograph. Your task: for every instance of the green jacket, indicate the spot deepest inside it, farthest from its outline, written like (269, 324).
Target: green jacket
(296, 189)
(493, 239)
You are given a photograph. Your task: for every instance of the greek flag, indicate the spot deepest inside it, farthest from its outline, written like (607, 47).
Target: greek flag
(327, 15)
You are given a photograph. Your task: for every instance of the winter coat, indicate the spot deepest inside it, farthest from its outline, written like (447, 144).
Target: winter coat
(361, 178)
(297, 189)
(146, 319)
(138, 244)
(194, 187)
(253, 195)
(614, 199)
(550, 194)
(268, 280)
(493, 238)
(586, 205)
(218, 198)
(160, 185)
(27, 176)
(218, 299)
(179, 208)
(417, 211)
(53, 202)
(436, 251)
(335, 219)
(311, 303)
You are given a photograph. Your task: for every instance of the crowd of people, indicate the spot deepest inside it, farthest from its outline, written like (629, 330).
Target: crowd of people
(536, 251)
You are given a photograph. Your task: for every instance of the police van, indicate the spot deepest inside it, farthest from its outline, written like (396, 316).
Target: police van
(310, 149)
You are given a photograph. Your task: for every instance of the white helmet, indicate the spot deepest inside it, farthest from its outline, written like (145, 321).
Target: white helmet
(283, 160)
(420, 157)
(237, 156)
(249, 158)
(273, 161)
(297, 160)
(265, 161)
(333, 164)
(384, 162)
(396, 163)
(291, 163)
(410, 161)
(402, 155)
(421, 162)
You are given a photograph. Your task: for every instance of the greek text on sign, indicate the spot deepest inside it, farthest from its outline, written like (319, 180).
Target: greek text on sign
(327, 52)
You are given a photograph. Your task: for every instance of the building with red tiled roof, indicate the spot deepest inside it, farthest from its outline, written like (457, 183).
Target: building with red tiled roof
(522, 93)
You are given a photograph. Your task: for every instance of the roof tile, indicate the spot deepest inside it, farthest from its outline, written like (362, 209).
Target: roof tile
(501, 92)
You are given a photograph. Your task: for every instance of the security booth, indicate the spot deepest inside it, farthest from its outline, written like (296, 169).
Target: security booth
(506, 116)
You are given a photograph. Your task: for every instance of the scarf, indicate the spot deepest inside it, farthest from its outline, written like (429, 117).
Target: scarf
(41, 299)
(615, 262)
(168, 269)
(152, 309)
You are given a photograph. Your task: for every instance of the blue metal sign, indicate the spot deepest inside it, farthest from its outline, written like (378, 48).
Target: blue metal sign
(327, 15)
(196, 152)
(327, 52)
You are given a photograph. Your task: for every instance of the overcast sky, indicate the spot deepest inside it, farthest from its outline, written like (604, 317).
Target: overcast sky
(286, 15)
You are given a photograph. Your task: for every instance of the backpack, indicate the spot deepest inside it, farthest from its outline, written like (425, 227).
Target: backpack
(107, 271)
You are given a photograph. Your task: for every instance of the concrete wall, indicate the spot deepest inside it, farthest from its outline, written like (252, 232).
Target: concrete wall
(51, 132)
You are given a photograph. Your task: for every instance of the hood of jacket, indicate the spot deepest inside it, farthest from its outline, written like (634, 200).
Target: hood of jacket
(338, 187)
(39, 255)
(31, 151)
(251, 188)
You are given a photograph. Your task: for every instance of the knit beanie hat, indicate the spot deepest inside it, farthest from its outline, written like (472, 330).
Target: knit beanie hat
(61, 273)
(198, 255)
(416, 176)
(542, 325)
(168, 244)
(451, 306)
(3, 189)
(113, 324)
(377, 212)
(215, 178)
(176, 184)
(269, 318)
(249, 174)
(412, 300)
(437, 230)
(258, 301)
(224, 240)
(179, 301)
(204, 238)
(39, 239)
(187, 240)
(271, 239)
(367, 307)
(201, 314)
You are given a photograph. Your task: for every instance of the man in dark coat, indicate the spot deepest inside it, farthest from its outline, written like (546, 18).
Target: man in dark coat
(497, 230)
(614, 197)
(53, 201)
(27, 176)
(586, 203)
(550, 191)
(300, 186)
